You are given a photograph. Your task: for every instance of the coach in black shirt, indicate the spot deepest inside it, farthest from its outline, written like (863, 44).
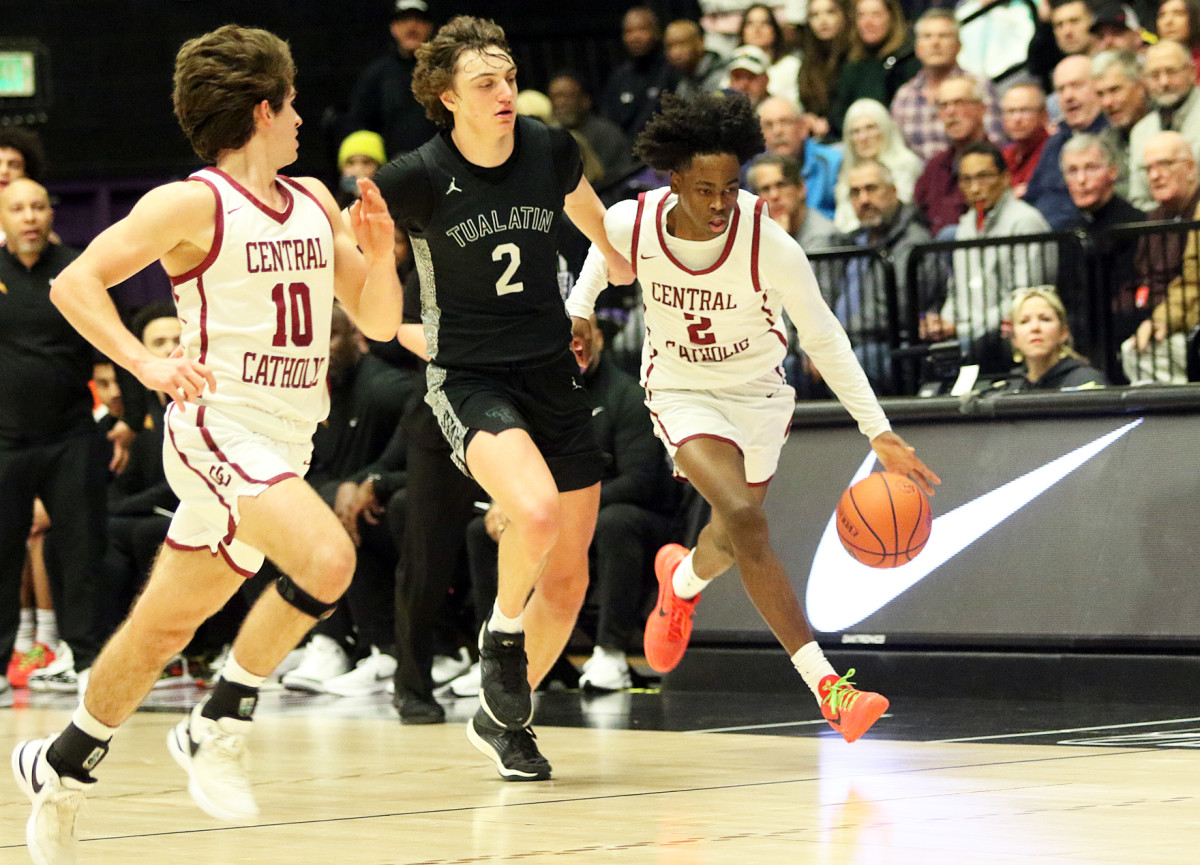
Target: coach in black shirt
(49, 446)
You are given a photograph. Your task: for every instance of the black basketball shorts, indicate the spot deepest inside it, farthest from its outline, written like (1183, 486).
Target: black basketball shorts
(547, 400)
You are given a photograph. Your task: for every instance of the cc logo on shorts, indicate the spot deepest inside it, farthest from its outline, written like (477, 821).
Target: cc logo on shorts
(219, 476)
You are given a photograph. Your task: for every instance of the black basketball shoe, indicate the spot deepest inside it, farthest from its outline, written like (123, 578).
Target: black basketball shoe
(504, 690)
(514, 752)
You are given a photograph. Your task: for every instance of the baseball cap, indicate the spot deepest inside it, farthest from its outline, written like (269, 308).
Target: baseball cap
(750, 58)
(411, 9)
(1109, 13)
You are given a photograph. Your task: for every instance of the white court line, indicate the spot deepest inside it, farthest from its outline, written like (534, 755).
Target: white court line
(764, 726)
(1057, 732)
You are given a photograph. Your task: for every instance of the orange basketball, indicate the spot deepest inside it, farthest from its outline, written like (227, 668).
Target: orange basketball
(884, 520)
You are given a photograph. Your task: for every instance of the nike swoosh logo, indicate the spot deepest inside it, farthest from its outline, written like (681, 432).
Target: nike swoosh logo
(234, 209)
(842, 592)
(33, 778)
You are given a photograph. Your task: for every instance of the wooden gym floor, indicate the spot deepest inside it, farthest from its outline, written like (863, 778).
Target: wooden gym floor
(661, 779)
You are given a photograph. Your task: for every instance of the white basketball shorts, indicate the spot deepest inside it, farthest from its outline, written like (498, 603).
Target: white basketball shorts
(755, 417)
(211, 461)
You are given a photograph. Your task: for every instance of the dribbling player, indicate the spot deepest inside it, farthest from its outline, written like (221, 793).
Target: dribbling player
(255, 261)
(715, 272)
(483, 202)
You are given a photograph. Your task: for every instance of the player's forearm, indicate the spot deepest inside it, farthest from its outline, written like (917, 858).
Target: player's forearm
(380, 304)
(593, 279)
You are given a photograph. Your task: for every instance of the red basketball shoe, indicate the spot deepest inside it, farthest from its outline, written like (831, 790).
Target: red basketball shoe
(21, 665)
(848, 710)
(670, 625)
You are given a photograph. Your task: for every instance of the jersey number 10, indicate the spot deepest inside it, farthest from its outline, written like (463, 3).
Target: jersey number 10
(301, 309)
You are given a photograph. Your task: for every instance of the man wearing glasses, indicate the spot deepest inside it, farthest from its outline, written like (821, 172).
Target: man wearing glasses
(1170, 77)
(985, 277)
(961, 106)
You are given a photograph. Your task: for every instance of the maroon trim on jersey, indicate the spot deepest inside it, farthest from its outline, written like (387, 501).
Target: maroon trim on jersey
(303, 190)
(755, 237)
(232, 564)
(206, 434)
(637, 233)
(731, 236)
(754, 243)
(218, 238)
(232, 525)
(280, 216)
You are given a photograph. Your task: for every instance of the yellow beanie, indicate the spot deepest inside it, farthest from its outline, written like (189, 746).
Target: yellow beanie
(364, 142)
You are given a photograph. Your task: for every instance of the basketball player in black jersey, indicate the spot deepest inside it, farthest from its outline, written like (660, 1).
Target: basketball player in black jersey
(483, 202)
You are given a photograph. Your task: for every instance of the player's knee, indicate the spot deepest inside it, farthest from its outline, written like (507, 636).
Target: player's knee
(161, 640)
(746, 524)
(565, 592)
(538, 521)
(330, 569)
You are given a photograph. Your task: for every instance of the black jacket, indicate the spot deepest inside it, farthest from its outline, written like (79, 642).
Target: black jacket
(1068, 372)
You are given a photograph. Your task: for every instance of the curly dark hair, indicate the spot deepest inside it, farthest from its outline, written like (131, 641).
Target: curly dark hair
(437, 60)
(27, 143)
(707, 123)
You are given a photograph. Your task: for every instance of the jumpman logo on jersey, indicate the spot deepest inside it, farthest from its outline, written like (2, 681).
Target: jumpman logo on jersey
(453, 187)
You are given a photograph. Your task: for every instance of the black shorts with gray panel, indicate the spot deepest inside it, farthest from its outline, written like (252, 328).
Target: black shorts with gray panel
(546, 400)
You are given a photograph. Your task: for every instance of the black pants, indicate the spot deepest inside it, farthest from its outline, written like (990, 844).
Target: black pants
(429, 519)
(621, 561)
(70, 476)
(133, 543)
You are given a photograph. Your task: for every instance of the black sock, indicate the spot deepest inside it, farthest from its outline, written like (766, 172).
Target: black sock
(230, 700)
(75, 754)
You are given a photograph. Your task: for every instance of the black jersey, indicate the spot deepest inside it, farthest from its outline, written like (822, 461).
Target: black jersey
(486, 245)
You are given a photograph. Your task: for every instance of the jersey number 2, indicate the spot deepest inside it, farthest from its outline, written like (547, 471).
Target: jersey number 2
(513, 253)
(699, 331)
(301, 309)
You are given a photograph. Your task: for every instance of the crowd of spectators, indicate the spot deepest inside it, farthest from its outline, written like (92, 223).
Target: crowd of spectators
(905, 147)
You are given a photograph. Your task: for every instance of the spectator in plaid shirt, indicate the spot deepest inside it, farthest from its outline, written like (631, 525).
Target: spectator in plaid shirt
(915, 106)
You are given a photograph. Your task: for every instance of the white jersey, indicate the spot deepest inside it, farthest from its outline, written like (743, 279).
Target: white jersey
(257, 310)
(714, 308)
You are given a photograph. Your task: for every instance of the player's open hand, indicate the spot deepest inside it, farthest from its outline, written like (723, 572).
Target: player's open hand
(180, 378)
(581, 341)
(374, 231)
(900, 458)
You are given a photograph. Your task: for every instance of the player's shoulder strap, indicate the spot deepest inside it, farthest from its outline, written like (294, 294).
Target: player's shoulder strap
(637, 232)
(756, 243)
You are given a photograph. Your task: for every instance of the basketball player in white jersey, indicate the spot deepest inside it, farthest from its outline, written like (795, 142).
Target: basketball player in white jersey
(716, 272)
(255, 261)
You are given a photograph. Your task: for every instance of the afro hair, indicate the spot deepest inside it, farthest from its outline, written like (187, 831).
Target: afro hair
(708, 123)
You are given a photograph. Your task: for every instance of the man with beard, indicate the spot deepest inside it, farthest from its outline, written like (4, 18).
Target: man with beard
(1170, 77)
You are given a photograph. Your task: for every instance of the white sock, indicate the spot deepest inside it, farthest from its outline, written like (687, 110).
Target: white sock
(25, 632)
(502, 624)
(235, 672)
(685, 582)
(84, 721)
(811, 664)
(47, 628)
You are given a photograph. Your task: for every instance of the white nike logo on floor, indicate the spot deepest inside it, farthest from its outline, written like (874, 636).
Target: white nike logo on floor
(842, 592)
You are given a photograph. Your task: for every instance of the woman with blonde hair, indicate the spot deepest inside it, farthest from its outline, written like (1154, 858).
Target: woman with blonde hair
(871, 133)
(1041, 340)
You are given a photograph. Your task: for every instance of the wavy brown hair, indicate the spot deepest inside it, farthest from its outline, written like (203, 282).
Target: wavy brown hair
(219, 79)
(897, 33)
(437, 60)
(823, 63)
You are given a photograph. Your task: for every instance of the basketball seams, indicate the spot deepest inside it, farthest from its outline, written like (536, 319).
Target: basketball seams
(867, 497)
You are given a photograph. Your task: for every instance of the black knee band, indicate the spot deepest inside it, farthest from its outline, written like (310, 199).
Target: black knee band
(302, 600)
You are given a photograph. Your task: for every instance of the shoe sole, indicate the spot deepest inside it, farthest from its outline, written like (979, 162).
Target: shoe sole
(377, 688)
(506, 773)
(305, 687)
(179, 750)
(863, 721)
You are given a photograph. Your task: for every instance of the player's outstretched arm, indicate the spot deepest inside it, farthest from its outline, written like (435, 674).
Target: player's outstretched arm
(174, 219)
(586, 211)
(364, 263)
(901, 458)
